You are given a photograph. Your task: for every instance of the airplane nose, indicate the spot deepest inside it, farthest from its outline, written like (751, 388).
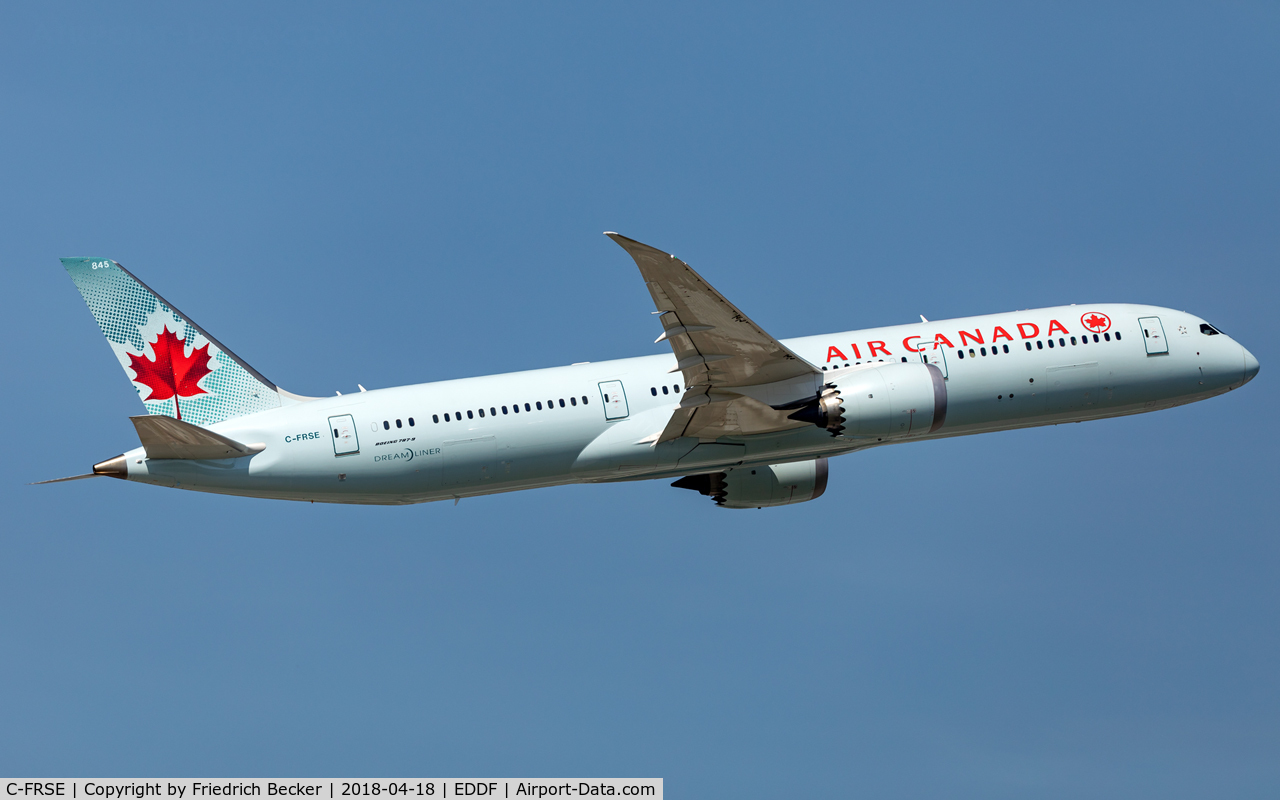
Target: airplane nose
(1251, 366)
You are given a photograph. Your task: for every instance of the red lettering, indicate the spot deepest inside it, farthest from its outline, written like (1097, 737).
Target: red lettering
(1000, 332)
(856, 352)
(874, 346)
(1053, 323)
(976, 336)
(941, 338)
(1035, 330)
(834, 354)
(907, 343)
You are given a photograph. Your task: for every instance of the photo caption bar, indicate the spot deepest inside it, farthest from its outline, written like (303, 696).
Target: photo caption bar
(329, 788)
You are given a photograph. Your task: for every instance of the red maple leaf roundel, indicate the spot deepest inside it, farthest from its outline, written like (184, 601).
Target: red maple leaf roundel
(1096, 322)
(173, 373)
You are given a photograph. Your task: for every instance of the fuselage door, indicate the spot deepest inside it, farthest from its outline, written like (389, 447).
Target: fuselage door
(934, 355)
(615, 400)
(1153, 336)
(343, 431)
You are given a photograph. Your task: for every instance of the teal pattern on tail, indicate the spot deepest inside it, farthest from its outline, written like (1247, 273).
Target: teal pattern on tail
(177, 368)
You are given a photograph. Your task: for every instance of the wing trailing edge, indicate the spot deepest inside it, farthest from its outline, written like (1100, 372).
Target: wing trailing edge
(734, 371)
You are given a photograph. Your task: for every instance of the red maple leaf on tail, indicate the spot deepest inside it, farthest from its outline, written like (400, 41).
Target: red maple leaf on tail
(172, 374)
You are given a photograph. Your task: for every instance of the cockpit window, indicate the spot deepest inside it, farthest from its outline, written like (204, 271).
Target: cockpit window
(1209, 330)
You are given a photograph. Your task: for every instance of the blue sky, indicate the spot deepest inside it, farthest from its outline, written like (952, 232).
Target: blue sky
(409, 193)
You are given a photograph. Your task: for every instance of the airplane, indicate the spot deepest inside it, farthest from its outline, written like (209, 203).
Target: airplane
(745, 419)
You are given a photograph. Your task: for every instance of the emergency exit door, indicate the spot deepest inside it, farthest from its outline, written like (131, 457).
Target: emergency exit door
(1153, 335)
(615, 400)
(934, 355)
(343, 431)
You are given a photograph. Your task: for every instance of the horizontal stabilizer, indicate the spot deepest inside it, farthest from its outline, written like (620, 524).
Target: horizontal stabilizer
(62, 480)
(166, 437)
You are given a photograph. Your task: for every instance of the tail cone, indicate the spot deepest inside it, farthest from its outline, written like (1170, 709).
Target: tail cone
(116, 467)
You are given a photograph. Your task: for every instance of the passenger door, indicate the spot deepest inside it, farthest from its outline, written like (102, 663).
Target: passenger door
(615, 400)
(342, 429)
(1153, 336)
(934, 355)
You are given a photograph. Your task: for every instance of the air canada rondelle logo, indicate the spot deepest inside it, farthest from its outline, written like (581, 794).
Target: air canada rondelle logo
(1096, 322)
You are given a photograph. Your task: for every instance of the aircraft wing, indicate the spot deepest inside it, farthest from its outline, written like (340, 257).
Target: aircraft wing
(734, 372)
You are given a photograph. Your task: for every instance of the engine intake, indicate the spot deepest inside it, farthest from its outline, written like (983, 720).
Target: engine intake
(890, 400)
(761, 486)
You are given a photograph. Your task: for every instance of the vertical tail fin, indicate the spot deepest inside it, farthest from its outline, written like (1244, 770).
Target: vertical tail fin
(177, 368)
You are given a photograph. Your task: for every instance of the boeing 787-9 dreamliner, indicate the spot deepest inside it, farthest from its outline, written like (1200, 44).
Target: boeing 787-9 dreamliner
(732, 412)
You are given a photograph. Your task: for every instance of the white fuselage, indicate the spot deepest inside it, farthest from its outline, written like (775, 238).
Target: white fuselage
(403, 450)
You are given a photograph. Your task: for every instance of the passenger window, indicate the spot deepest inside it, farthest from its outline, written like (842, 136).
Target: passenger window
(446, 416)
(1106, 336)
(493, 412)
(1117, 336)
(573, 401)
(971, 355)
(540, 404)
(653, 391)
(516, 408)
(551, 404)
(1028, 345)
(984, 351)
(1062, 342)
(481, 413)
(1095, 337)
(1006, 348)
(410, 422)
(386, 426)
(1039, 344)
(472, 416)
(665, 390)
(399, 424)
(504, 411)
(435, 418)
(526, 407)
(824, 369)
(676, 388)
(1051, 344)
(1073, 340)
(584, 399)
(562, 402)
(961, 354)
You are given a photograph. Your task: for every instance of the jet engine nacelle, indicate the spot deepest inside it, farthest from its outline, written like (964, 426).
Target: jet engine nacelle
(757, 487)
(887, 400)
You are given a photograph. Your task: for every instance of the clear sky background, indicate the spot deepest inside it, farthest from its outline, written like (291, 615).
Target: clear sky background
(409, 193)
